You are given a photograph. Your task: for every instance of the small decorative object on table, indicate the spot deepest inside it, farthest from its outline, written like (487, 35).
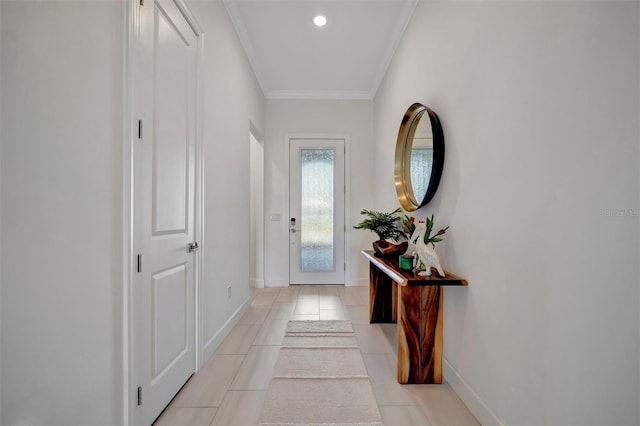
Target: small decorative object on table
(406, 262)
(386, 226)
(425, 246)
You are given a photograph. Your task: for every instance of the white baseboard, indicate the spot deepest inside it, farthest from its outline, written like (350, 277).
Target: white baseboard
(258, 284)
(285, 283)
(478, 408)
(362, 282)
(276, 283)
(214, 342)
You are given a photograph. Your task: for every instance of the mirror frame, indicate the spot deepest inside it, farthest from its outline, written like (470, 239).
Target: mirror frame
(404, 144)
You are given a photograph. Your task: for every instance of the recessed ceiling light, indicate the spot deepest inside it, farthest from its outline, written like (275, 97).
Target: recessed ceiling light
(320, 20)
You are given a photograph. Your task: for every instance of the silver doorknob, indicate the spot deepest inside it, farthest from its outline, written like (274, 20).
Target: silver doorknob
(194, 247)
(294, 230)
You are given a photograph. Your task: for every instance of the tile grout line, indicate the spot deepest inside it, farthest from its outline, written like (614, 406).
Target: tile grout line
(244, 357)
(415, 410)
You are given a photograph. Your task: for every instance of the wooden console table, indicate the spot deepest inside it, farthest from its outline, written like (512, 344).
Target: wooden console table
(415, 304)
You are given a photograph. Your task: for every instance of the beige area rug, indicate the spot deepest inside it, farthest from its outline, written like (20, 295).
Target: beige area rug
(319, 334)
(320, 379)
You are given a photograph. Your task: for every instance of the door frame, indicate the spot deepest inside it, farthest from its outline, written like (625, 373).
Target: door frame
(130, 138)
(257, 247)
(347, 193)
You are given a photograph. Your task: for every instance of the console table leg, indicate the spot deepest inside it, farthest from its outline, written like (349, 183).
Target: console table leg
(382, 297)
(420, 334)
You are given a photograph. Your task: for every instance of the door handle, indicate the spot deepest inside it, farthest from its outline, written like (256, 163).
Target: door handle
(194, 247)
(294, 230)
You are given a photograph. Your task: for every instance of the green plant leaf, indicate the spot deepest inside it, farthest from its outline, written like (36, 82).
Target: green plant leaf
(385, 225)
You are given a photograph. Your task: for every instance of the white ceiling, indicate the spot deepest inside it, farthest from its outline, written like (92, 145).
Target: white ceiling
(345, 59)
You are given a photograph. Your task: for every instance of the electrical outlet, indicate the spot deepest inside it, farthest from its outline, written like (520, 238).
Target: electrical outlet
(228, 292)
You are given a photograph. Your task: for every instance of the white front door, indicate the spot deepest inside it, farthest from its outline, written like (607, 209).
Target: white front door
(316, 219)
(164, 162)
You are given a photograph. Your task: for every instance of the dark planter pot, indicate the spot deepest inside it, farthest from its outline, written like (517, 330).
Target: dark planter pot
(384, 248)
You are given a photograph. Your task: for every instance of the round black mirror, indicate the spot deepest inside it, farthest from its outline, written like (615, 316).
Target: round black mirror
(419, 157)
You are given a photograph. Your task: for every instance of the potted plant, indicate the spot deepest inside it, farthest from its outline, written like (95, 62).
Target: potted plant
(387, 227)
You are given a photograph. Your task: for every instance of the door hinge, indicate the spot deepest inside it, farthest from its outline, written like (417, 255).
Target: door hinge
(139, 129)
(139, 263)
(139, 395)
(345, 266)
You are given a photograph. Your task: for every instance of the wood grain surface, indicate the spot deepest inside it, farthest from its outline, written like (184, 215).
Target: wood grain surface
(416, 304)
(420, 335)
(381, 300)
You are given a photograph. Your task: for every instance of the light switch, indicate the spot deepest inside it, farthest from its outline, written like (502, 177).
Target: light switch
(275, 217)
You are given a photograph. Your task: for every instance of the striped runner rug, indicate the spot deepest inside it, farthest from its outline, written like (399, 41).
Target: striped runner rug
(320, 379)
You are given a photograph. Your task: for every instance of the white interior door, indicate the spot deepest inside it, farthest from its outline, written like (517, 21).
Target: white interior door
(164, 163)
(316, 220)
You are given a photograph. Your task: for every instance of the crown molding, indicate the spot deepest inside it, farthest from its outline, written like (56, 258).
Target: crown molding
(236, 20)
(320, 94)
(234, 12)
(398, 33)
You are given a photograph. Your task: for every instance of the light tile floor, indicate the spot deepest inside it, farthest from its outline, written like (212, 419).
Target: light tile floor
(230, 388)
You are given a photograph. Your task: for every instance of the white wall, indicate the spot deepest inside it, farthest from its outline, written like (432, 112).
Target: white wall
(0, 218)
(232, 100)
(539, 103)
(62, 100)
(62, 139)
(287, 117)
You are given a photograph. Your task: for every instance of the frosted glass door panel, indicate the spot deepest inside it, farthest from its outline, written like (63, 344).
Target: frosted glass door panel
(316, 216)
(316, 220)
